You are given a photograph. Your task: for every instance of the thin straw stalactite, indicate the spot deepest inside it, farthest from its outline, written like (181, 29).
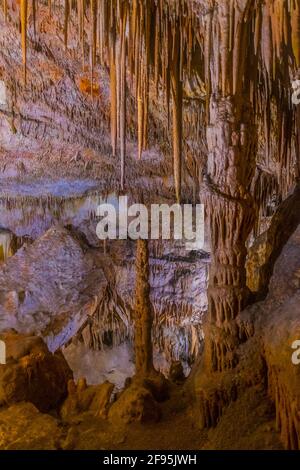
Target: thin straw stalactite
(93, 45)
(66, 22)
(177, 116)
(113, 95)
(5, 9)
(122, 92)
(23, 15)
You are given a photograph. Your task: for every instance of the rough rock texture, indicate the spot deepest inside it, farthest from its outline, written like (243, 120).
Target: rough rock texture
(265, 359)
(136, 404)
(32, 373)
(22, 427)
(283, 376)
(82, 398)
(247, 423)
(49, 288)
(263, 254)
(280, 323)
(231, 215)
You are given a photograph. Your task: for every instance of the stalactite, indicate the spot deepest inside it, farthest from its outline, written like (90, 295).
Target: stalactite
(23, 14)
(140, 116)
(241, 52)
(5, 9)
(34, 16)
(93, 45)
(66, 22)
(177, 116)
(295, 17)
(122, 91)
(113, 95)
(82, 15)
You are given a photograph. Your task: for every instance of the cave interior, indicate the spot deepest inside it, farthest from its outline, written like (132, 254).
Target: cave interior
(114, 343)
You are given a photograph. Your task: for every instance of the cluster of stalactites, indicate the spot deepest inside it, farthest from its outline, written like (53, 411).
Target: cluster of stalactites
(252, 52)
(147, 40)
(266, 32)
(243, 46)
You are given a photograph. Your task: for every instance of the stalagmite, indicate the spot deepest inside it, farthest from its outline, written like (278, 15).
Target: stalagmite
(231, 144)
(143, 314)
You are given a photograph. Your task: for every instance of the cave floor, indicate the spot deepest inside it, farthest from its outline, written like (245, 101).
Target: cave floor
(248, 423)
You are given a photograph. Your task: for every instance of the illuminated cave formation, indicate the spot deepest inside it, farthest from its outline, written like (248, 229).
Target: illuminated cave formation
(209, 81)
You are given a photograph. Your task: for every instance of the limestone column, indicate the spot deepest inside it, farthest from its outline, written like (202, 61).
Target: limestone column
(143, 314)
(231, 143)
(230, 210)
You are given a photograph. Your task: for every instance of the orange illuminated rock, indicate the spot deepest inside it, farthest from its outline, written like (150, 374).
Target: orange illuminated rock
(32, 373)
(81, 398)
(85, 86)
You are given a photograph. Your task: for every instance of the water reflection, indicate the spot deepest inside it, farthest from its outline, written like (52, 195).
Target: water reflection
(30, 215)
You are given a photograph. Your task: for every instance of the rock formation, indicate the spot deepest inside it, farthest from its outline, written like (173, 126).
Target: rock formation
(31, 373)
(143, 314)
(82, 398)
(187, 100)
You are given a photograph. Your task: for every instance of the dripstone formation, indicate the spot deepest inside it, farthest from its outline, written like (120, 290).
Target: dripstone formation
(210, 86)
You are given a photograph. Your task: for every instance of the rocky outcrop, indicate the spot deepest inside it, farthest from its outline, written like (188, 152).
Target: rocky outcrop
(32, 373)
(265, 250)
(136, 404)
(23, 427)
(265, 357)
(83, 398)
(283, 375)
(49, 288)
